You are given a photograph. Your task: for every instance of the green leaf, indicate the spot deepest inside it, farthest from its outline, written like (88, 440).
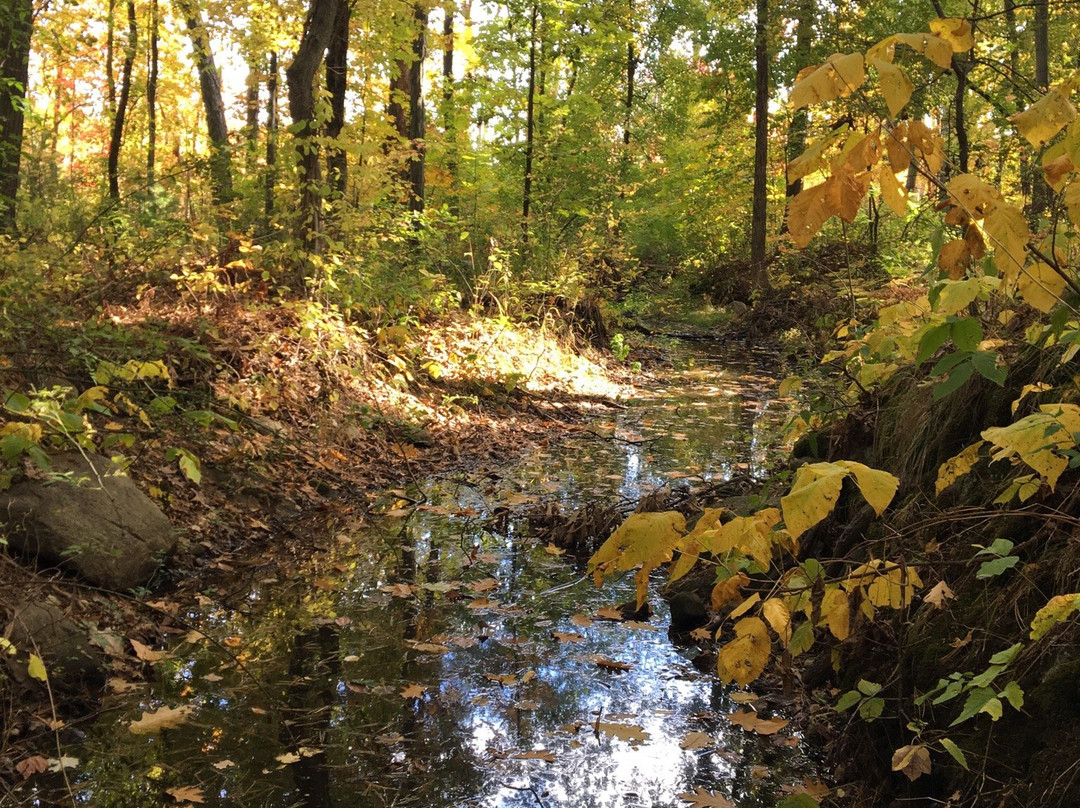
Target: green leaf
(871, 709)
(931, 341)
(848, 700)
(977, 699)
(868, 688)
(954, 382)
(956, 752)
(36, 668)
(986, 363)
(1014, 694)
(1007, 656)
(966, 333)
(951, 691)
(13, 445)
(1000, 547)
(17, 402)
(992, 569)
(798, 801)
(802, 640)
(985, 678)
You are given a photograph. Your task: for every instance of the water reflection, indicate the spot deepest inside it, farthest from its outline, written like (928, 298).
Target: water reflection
(428, 662)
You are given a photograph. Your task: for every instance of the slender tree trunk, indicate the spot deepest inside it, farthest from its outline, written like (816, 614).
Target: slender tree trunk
(530, 114)
(16, 26)
(417, 118)
(796, 136)
(448, 118)
(1041, 194)
(300, 76)
(121, 105)
(337, 163)
(252, 85)
(632, 62)
(271, 139)
(110, 57)
(759, 270)
(217, 128)
(151, 96)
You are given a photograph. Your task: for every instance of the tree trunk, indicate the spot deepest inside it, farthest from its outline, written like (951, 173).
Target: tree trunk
(530, 113)
(796, 135)
(151, 96)
(300, 77)
(417, 121)
(210, 87)
(1042, 195)
(759, 270)
(271, 139)
(448, 118)
(121, 105)
(337, 163)
(16, 25)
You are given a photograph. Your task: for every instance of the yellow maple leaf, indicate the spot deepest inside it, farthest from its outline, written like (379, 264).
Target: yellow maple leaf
(1058, 170)
(954, 258)
(1072, 201)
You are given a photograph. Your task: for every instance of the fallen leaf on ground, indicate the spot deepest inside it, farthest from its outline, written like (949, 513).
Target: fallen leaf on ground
(567, 636)
(697, 740)
(812, 786)
(706, 799)
(186, 794)
(30, 766)
(748, 720)
(64, 762)
(162, 718)
(148, 654)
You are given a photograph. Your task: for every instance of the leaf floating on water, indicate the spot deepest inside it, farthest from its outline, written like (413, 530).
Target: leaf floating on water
(526, 705)
(483, 585)
(463, 642)
(221, 765)
(483, 603)
(631, 733)
(162, 718)
(504, 679)
(428, 647)
(389, 740)
(581, 621)
(608, 664)
(30, 766)
(697, 740)
(706, 799)
(64, 762)
(287, 758)
(610, 613)
(398, 590)
(744, 697)
(413, 691)
(750, 722)
(551, 549)
(637, 625)
(535, 754)
(186, 794)
(567, 636)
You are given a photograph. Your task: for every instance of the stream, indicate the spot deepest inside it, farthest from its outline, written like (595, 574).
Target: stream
(429, 658)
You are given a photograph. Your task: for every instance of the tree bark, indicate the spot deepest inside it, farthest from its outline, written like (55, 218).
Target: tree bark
(16, 26)
(449, 121)
(417, 118)
(210, 88)
(530, 126)
(151, 96)
(117, 137)
(271, 139)
(796, 136)
(337, 163)
(759, 270)
(1042, 195)
(300, 77)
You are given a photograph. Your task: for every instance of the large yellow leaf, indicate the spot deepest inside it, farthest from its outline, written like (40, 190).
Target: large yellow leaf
(689, 547)
(927, 145)
(912, 761)
(777, 615)
(728, 590)
(877, 487)
(1041, 286)
(838, 77)
(836, 612)
(894, 194)
(812, 496)
(973, 195)
(1008, 233)
(807, 213)
(743, 659)
(1045, 118)
(1072, 201)
(645, 540)
(895, 85)
(934, 48)
(897, 149)
(954, 258)
(1058, 170)
(845, 191)
(1037, 439)
(813, 158)
(956, 467)
(956, 31)
(1059, 608)
(895, 587)
(750, 535)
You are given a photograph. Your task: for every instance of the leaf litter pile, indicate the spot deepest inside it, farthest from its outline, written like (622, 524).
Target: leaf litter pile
(424, 658)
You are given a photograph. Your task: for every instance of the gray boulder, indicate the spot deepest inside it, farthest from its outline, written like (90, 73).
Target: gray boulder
(95, 522)
(71, 659)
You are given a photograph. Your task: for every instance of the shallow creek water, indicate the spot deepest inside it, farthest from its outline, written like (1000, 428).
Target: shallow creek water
(425, 660)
